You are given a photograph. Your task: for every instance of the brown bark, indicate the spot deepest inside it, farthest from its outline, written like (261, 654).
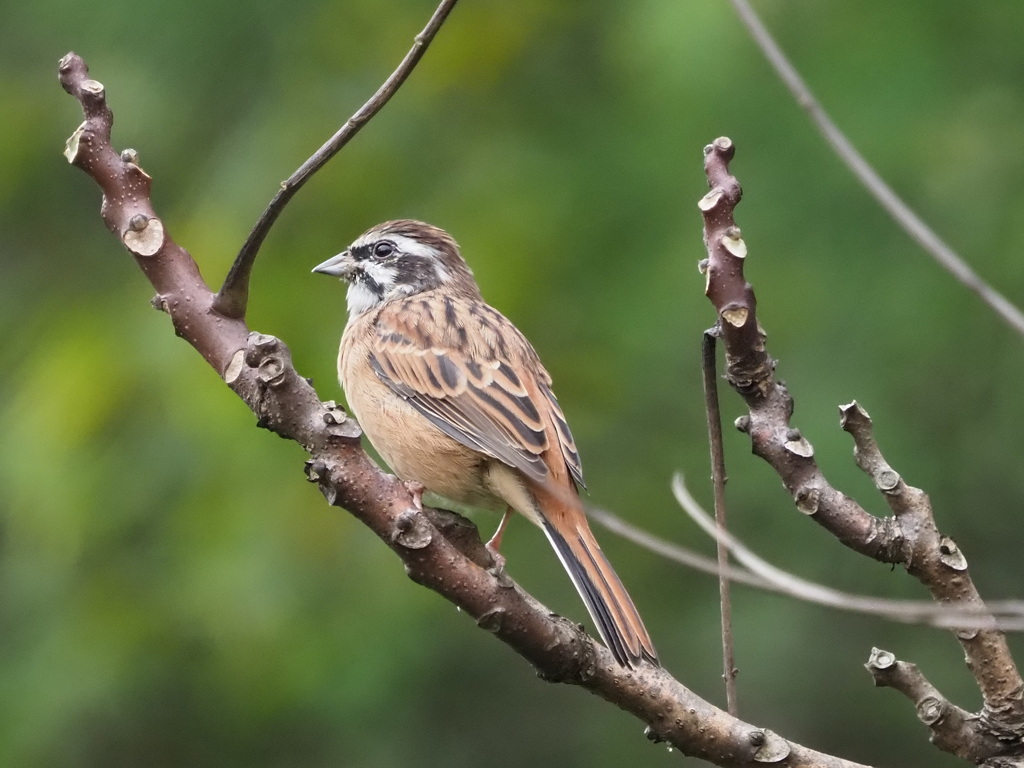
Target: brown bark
(909, 537)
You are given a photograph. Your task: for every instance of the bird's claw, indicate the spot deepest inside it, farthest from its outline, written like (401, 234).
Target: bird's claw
(497, 568)
(416, 491)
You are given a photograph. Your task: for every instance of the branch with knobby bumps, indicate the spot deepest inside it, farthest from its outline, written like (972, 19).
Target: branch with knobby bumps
(909, 537)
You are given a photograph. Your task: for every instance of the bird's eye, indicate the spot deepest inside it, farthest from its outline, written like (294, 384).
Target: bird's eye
(383, 249)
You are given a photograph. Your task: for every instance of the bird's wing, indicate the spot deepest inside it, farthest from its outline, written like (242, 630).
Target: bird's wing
(467, 369)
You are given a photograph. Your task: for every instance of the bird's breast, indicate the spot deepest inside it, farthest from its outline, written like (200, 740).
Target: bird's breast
(411, 446)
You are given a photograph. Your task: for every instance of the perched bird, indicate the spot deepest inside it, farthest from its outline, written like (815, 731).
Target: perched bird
(455, 399)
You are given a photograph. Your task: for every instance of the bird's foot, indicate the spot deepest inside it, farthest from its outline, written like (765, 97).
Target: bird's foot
(416, 491)
(497, 559)
(498, 569)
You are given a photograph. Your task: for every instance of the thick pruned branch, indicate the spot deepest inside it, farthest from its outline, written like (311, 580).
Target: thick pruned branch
(909, 537)
(438, 549)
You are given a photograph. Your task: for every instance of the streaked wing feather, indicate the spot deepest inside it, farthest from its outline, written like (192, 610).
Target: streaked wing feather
(565, 439)
(459, 371)
(448, 420)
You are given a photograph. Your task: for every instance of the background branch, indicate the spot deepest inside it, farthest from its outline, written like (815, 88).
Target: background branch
(709, 369)
(909, 537)
(1007, 615)
(890, 202)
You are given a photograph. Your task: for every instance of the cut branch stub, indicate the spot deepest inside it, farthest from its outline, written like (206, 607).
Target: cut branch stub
(857, 422)
(748, 366)
(126, 208)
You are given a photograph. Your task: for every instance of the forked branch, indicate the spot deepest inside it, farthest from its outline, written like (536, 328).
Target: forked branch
(909, 537)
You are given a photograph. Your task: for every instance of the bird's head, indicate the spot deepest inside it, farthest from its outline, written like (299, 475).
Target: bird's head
(398, 259)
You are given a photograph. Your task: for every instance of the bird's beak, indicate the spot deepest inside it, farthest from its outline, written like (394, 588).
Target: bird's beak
(341, 265)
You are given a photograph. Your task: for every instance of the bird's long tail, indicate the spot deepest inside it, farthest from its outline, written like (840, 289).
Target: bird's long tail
(609, 604)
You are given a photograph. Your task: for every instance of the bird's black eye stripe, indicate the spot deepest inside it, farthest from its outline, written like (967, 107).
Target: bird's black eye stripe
(383, 249)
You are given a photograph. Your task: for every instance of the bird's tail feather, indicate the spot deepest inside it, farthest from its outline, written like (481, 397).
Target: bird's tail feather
(606, 599)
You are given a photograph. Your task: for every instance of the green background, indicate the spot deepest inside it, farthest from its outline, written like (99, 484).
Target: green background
(172, 592)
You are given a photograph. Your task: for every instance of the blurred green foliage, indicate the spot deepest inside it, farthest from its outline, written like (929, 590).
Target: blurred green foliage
(173, 593)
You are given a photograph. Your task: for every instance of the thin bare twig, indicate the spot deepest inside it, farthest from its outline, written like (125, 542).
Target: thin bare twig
(1007, 615)
(674, 552)
(233, 297)
(718, 477)
(891, 203)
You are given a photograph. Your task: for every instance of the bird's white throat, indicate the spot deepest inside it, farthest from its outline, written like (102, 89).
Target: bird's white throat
(361, 298)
